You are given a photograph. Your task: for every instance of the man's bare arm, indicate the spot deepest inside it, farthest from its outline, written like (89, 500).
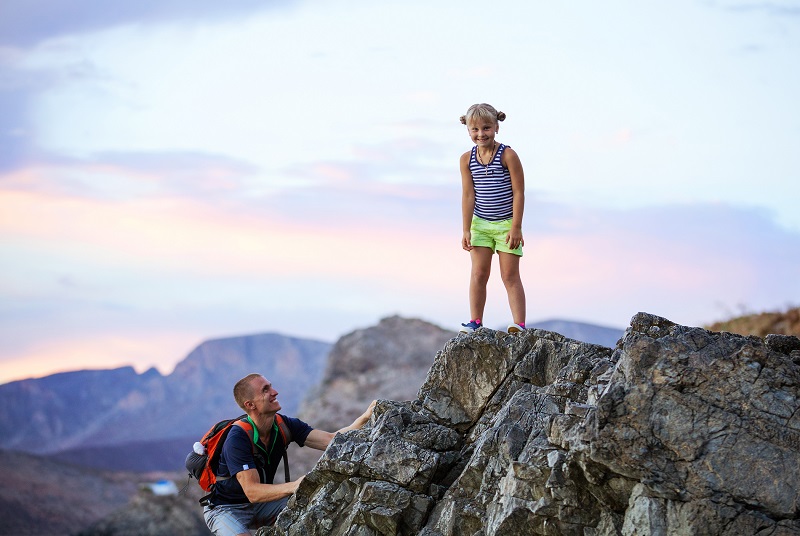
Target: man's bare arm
(258, 493)
(319, 439)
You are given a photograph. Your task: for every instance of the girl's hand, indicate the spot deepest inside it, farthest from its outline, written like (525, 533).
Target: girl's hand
(466, 241)
(514, 239)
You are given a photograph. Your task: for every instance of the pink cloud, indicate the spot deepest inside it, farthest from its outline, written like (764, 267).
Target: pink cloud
(182, 235)
(336, 173)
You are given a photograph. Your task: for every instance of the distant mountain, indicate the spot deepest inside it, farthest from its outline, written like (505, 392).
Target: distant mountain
(50, 413)
(136, 456)
(114, 408)
(583, 332)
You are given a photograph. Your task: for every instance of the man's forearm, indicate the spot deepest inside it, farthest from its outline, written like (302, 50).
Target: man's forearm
(261, 493)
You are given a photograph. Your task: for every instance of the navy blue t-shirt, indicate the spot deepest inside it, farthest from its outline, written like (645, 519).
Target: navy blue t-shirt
(237, 455)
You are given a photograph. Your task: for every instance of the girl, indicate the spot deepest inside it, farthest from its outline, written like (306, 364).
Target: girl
(492, 202)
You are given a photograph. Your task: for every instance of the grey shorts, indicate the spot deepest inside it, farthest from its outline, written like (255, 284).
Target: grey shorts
(233, 519)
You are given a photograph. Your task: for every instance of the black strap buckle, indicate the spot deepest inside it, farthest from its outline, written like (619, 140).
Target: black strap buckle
(205, 500)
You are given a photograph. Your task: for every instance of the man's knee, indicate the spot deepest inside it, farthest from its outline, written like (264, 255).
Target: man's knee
(227, 520)
(265, 513)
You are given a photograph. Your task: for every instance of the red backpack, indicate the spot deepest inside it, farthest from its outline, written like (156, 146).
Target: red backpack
(204, 467)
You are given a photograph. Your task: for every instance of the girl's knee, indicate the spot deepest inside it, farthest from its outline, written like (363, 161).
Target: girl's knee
(480, 276)
(511, 279)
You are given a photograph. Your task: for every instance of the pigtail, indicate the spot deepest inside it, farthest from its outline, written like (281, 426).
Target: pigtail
(484, 111)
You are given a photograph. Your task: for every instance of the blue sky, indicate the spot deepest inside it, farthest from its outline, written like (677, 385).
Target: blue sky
(174, 171)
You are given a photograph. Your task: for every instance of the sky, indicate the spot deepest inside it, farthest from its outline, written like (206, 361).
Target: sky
(173, 171)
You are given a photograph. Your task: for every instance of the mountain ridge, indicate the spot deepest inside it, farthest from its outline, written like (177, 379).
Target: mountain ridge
(93, 416)
(112, 407)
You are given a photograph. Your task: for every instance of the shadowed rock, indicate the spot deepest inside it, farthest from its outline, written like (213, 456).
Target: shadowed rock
(678, 430)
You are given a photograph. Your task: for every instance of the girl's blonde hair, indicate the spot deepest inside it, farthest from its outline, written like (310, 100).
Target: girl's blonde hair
(483, 111)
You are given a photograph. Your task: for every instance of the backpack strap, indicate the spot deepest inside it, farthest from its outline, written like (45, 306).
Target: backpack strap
(246, 424)
(279, 427)
(286, 434)
(284, 429)
(243, 423)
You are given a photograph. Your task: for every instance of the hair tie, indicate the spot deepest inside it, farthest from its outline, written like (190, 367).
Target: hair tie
(463, 119)
(501, 116)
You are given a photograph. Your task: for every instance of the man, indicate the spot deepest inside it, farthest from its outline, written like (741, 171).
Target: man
(251, 500)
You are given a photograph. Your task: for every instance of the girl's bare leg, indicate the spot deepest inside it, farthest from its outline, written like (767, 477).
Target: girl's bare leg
(479, 277)
(509, 271)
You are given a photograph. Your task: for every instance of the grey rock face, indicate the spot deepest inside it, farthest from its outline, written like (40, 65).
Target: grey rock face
(389, 360)
(677, 431)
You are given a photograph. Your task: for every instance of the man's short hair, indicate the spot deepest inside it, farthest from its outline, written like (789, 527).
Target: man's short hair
(242, 391)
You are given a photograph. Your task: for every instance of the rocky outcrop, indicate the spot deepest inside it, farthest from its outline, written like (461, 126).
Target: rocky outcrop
(678, 430)
(389, 360)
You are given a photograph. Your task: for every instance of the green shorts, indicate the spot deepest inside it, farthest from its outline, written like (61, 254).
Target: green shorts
(492, 234)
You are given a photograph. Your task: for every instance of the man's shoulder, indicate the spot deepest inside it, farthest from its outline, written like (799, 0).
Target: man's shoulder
(237, 434)
(299, 429)
(287, 417)
(292, 422)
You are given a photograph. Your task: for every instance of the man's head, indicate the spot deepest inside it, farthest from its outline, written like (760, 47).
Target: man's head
(254, 393)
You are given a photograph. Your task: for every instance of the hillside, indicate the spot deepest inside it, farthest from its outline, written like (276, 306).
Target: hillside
(41, 496)
(762, 324)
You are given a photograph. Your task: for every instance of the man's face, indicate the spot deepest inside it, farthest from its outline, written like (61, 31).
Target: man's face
(265, 397)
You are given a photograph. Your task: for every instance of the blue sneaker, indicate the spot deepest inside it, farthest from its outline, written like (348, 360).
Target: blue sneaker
(471, 326)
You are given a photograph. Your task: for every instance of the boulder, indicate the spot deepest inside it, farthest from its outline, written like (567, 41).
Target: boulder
(678, 430)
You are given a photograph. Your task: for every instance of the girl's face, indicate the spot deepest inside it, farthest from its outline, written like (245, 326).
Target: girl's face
(482, 132)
